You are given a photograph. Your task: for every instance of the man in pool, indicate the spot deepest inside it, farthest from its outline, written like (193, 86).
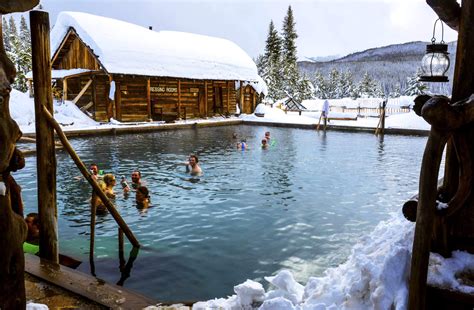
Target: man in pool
(264, 144)
(193, 165)
(136, 182)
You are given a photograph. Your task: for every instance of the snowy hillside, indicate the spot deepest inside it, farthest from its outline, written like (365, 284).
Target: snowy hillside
(388, 65)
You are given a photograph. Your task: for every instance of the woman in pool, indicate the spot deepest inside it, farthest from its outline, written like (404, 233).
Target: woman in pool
(96, 202)
(109, 180)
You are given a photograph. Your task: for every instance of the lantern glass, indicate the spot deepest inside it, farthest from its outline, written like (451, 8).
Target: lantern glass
(435, 63)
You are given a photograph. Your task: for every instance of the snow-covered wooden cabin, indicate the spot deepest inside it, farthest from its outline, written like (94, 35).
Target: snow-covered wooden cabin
(112, 68)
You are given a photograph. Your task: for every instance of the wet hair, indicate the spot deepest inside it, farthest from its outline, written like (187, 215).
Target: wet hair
(108, 178)
(93, 165)
(35, 217)
(139, 173)
(264, 141)
(144, 191)
(267, 133)
(195, 157)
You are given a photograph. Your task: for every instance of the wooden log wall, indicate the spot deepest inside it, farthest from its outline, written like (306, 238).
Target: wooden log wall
(138, 97)
(74, 54)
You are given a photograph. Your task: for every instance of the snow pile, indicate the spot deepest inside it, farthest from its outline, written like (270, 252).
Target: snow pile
(349, 103)
(22, 110)
(34, 306)
(276, 115)
(131, 49)
(375, 276)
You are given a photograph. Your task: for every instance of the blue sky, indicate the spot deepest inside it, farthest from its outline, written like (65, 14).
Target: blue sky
(325, 27)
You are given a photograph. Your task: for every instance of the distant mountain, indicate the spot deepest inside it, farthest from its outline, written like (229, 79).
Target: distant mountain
(390, 65)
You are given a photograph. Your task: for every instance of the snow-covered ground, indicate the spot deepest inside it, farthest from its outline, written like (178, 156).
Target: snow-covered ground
(375, 276)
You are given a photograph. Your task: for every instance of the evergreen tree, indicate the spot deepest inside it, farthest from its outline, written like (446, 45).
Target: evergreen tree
(304, 89)
(271, 64)
(414, 85)
(290, 68)
(346, 84)
(396, 91)
(320, 87)
(332, 85)
(368, 87)
(24, 63)
(6, 35)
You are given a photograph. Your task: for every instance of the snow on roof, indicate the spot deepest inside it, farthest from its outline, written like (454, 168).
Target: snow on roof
(126, 48)
(59, 74)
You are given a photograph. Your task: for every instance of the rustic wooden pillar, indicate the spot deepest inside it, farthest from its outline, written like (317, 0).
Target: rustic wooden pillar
(179, 99)
(228, 97)
(45, 154)
(241, 103)
(64, 89)
(94, 95)
(30, 88)
(148, 99)
(118, 101)
(205, 97)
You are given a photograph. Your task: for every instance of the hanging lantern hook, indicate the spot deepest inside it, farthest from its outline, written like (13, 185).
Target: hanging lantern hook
(433, 39)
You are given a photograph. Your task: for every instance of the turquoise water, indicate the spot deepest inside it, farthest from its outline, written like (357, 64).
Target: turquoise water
(300, 205)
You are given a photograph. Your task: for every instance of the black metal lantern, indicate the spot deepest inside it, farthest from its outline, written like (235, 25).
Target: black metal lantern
(435, 63)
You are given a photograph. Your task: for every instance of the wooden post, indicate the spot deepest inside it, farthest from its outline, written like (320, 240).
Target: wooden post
(118, 101)
(148, 98)
(121, 248)
(46, 157)
(30, 88)
(85, 172)
(382, 124)
(205, 98)
(228, 97)
(94, 95)
(92, 238)
(241, 103)
(64, 89)
(179, 99)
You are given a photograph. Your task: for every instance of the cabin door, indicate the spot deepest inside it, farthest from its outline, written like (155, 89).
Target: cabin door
(202, 102)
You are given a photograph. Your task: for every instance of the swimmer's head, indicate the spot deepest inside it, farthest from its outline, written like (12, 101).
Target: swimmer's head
(264, 141)
(193, 159)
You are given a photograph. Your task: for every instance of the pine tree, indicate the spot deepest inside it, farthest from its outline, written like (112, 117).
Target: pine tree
(291, 75)
(6, 35)
(368, 87)
(24, 63)
(271, 64)
(346, 84)
(414, 85)
(320, 87)
(396, 91)
(332, 86)
(304, 89)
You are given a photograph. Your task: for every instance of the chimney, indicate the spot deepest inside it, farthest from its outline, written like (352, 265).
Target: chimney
(150, 27)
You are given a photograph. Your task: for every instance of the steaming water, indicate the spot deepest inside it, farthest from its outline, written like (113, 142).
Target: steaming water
(301, 205)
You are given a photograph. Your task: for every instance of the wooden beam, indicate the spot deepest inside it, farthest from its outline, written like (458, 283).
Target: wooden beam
(179, 99)
(94, 94)
(228, 97)
(46, 156)
(205, 97)
(448, 10)
(83, 90)
(118, 101)
(148, 98)
(241, 103)
(85, 173)
(64, 89)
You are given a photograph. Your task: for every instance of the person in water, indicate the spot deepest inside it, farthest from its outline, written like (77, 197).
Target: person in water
(142, 197)
(264, 144)
(96, 202)
(242, 145)
(32, 221)
(192, 167)
(136, 182)
(109, 180)
(267, 136)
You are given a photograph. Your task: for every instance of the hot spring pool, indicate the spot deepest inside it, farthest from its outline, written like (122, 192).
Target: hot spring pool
(300, 205)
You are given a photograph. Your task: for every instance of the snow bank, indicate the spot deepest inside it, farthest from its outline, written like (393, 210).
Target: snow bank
(128, 48)
(22, 110)
(349, 103)
(375, 276)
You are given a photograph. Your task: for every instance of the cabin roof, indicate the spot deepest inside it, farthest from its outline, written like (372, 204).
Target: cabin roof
(125, 48)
